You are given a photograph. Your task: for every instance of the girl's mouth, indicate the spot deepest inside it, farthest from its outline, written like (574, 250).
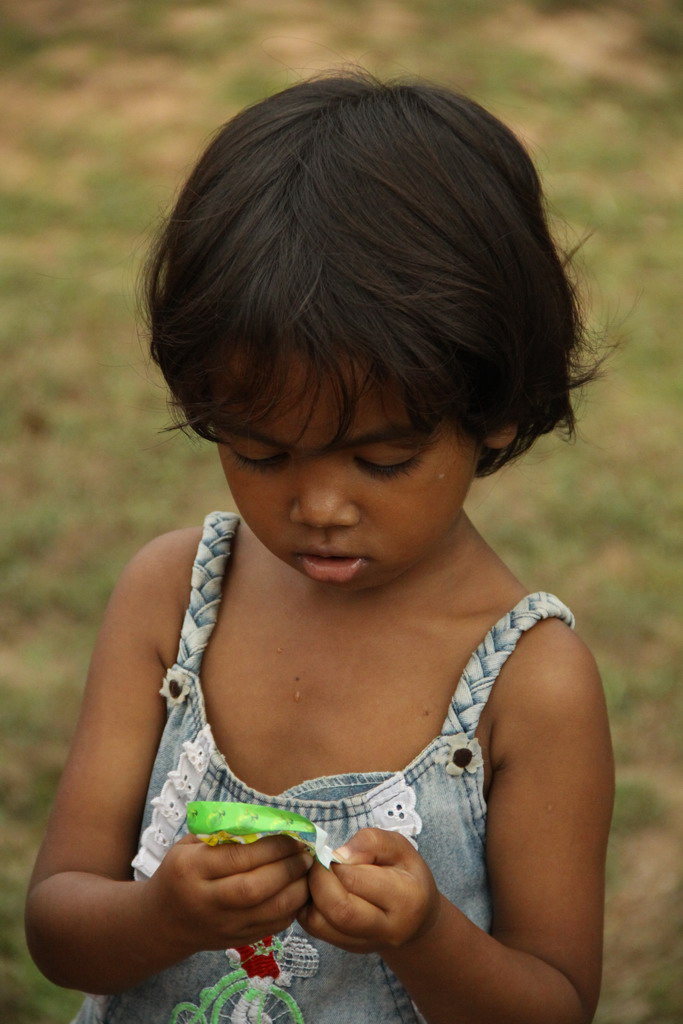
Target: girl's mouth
(330, 568)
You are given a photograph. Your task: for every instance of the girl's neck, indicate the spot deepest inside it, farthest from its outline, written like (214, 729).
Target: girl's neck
(464, 575)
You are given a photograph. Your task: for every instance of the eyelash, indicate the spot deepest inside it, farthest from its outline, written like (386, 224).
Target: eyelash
(257, 465)
(373, 469)
(387, 472)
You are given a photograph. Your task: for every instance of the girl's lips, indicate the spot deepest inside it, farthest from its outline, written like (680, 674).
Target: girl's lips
(329, 569)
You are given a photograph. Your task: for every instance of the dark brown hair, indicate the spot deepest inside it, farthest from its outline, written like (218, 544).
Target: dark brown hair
(397, 230)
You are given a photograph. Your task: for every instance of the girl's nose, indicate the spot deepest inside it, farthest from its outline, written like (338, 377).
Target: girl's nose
(323, 504)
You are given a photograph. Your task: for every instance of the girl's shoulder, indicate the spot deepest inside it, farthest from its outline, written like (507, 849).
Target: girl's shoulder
(170, 555)
(549, 691)
(153, 590)
(552, 663)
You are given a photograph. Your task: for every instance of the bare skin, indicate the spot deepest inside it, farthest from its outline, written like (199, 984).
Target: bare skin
(330, 654)
(288, 661)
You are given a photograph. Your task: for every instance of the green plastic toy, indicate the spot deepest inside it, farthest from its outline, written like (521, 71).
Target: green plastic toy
(216, 821)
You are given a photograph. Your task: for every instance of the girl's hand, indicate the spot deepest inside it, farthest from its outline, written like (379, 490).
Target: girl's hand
(382, 896)
(203, 897)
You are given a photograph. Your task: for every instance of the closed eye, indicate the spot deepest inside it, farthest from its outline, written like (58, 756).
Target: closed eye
(259, 465)
(374, 469)
(377, 469)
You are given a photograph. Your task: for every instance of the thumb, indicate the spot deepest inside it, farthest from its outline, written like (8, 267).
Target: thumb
(370, 846)
(187, 839)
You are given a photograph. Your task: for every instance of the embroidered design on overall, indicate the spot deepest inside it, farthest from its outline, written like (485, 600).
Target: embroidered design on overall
(254, 992)
(392, 806)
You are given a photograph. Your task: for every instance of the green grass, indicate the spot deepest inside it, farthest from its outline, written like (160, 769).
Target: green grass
(106, 107)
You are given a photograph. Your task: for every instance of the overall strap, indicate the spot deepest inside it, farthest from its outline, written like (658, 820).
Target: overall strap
(207, 585)
(485, 664)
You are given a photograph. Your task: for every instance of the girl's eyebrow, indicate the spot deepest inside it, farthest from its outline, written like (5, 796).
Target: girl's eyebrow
(383, 435)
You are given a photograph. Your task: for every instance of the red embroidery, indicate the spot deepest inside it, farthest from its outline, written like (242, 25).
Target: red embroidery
(258, 960)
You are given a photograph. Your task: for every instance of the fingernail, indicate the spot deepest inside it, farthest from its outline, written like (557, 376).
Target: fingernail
(344, 853)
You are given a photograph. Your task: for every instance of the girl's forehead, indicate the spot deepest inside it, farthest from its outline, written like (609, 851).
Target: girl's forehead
(316, 421)
(317, 412)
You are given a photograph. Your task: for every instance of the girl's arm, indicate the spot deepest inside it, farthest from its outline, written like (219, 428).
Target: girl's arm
(89, 926)
(549, 809)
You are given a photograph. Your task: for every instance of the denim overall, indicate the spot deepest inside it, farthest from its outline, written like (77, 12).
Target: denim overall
(436, 802)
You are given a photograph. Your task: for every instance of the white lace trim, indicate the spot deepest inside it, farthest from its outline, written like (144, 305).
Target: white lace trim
(392, 807)
(170, 807)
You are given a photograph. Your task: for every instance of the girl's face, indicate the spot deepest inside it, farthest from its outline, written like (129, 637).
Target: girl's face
(384, 502)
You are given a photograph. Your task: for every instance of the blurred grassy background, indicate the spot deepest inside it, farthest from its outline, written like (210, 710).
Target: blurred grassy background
(105, 106)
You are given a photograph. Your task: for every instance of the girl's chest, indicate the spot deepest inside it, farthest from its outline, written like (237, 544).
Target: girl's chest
(286, 704)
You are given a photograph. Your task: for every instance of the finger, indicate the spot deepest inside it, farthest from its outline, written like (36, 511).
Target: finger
(374, 884)
(375, 846)
(234, 858)
(352, 935)
(278, 912)
(252, 888)
(188, 840)
(346, 912)
(377, 886)
(282, 843)
(275, 915)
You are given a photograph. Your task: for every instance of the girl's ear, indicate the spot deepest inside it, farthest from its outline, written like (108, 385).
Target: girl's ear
(501, 438)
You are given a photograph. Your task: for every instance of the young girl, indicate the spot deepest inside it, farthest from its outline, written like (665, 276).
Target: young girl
(357, 299)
